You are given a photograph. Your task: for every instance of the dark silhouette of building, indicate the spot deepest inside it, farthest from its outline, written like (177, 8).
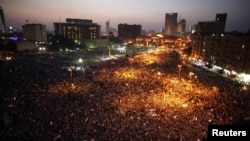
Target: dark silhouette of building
(2, 18)
(171, 24)
(213, 27)
(229, 51)
(126, 31)
(78, 29)
(78, 21)
(206, 27)
(107, 27)
(221, 22)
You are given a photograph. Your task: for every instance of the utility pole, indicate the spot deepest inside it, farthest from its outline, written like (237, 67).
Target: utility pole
(109, 48)
(179, 66)
(71, 81)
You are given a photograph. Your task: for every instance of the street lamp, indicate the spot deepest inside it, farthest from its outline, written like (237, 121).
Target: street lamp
(190, 76)
(70, 70)
(129, 91)
(80, 60)
(179, 66)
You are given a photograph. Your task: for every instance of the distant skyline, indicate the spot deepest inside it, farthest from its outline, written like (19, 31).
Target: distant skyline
(148, 13)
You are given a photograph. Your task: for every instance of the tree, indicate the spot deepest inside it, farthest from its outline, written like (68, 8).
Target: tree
(58, 41)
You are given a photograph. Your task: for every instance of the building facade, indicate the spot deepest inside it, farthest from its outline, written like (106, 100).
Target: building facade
(213, 27)
(206, 27)
(221, 20)
(229, 51)
(129, 32)
(78, 29)
(171, 24)
(181, 27)
(34, 32)
(107, 27)
(34, 38)
(26, 46)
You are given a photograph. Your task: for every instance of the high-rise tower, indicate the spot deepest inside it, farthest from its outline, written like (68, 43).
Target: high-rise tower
(213, 27)
(171, 24)
(181, 27)
(221, 22)
(2, 17)
(108, 27)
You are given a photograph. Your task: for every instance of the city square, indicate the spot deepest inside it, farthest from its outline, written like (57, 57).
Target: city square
(149, 96)
(124, 70)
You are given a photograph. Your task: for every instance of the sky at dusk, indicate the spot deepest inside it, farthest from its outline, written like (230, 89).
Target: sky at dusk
(148, 13)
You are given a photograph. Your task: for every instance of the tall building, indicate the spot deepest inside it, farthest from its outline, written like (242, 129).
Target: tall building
(35, 38)
(207, 27)
(2, 19)
(181, 27)
(107, 27)
(221, 21)
(213, 27)
(126, 31)
(35, 32)
(171, 24)
(229, 51)
(78, 29)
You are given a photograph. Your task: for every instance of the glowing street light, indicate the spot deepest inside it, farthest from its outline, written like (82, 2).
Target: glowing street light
(80, 60)
(129, 92)
(70, 70)
(191, 76)
(179, 66)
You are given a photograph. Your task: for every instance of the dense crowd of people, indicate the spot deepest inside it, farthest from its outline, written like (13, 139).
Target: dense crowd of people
(145, 97)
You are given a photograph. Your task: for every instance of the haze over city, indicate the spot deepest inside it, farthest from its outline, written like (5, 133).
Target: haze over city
(90, 70)
(148, 13)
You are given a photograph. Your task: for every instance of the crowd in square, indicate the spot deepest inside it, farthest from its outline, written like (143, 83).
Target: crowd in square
(145, 97)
